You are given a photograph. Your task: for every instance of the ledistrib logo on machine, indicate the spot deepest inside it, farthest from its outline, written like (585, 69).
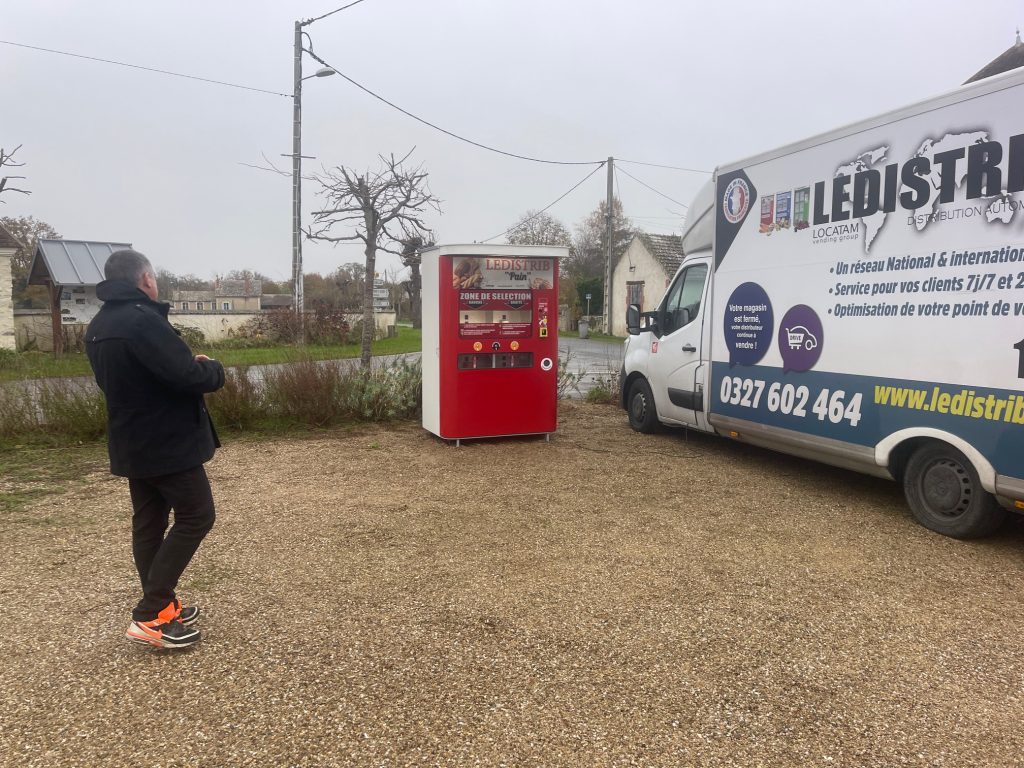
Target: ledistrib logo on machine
(736, 200)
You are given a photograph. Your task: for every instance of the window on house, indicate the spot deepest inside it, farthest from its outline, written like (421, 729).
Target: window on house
(635, 293)
(199, 306)
(184, 305)
(226, 306)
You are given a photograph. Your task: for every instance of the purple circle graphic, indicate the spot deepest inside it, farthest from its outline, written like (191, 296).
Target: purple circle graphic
(748, 324)
(800, 338)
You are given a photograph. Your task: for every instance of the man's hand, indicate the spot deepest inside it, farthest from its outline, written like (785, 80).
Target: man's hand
(201, 358)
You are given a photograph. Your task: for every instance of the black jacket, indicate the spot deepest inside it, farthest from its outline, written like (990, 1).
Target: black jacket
(157, 422)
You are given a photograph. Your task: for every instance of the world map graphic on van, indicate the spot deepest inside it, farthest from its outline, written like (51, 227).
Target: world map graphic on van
(999, 209)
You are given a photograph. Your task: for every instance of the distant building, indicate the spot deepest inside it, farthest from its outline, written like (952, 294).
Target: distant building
(1011, 58)
(642, 273)
(70, 270)
(226, 296)
(276, 301)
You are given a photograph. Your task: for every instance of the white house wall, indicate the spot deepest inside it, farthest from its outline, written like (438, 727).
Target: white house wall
(646, 269)
(7, 337)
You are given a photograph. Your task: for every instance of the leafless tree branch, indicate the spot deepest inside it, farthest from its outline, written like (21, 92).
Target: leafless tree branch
(271, 168)
(7, 161)
(385, 207)
(7, 158)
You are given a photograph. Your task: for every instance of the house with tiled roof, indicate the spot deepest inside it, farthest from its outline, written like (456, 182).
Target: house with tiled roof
(226, 296)
(1011, 58)
(642, 273)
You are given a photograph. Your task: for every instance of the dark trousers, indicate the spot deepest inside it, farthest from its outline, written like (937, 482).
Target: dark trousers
(161, 560)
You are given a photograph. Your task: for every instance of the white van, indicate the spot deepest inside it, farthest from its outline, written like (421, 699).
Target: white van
(858, 299)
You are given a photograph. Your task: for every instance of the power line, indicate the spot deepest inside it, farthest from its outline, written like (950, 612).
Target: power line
(645, 184)
(331, 13)
(147, 69)
(523, 223)
(660, 165)
(597, 163)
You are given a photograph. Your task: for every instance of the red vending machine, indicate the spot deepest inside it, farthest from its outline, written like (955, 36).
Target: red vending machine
(490, 340)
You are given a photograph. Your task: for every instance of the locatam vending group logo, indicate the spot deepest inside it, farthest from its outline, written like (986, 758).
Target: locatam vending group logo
(736, 200)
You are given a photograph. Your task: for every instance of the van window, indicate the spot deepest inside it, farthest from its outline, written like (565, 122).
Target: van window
(685, 293)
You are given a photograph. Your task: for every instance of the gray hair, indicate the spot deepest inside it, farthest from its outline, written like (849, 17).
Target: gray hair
(127, 265)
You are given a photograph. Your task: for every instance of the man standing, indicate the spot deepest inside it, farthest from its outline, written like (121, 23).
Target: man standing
(159, 435)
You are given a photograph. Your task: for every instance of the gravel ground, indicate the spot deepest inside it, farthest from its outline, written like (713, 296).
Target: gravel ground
(375, 597)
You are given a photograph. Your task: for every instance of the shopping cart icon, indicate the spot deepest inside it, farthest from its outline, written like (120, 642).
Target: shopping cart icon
(798, 337)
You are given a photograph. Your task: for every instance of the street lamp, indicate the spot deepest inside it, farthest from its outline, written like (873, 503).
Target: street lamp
(297, 292)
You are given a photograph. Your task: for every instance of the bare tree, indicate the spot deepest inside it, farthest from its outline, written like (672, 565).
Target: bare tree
(28, 231)
(7, 161)
(385, 207)
(588, 253)
(539, 228)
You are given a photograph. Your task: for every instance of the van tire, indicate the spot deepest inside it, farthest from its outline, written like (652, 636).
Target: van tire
(643, 416)
(945, 494)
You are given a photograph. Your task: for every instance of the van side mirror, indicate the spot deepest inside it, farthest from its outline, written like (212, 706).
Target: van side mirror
(633, 319)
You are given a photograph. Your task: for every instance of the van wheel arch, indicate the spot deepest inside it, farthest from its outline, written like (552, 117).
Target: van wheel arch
(943, 489)
(643, 414)
(627, 386)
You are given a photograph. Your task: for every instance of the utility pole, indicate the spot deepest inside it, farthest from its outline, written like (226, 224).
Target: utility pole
(609, 219)
(297, 292)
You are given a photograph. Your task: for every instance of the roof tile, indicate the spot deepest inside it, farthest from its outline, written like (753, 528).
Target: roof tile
(666, 249)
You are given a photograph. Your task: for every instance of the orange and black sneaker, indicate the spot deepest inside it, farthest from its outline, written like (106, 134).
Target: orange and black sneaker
(161, 633)
(186, 614)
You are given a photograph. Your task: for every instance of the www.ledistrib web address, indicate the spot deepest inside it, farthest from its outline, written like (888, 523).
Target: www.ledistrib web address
(963, 403)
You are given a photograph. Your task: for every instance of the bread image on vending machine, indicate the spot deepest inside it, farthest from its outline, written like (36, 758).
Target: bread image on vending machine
(490, 340)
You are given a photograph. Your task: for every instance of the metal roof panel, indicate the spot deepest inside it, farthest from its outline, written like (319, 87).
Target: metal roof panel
(72, 262)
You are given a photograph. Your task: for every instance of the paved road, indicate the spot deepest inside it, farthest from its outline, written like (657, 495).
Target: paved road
(590, 359)
(593, 359)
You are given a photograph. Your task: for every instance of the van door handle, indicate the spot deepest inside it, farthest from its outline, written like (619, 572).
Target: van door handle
(689, 348)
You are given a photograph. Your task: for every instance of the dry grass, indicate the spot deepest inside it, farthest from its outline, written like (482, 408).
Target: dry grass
(379, 598)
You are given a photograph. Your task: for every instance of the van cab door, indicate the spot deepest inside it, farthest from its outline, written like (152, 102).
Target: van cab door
(675, 364)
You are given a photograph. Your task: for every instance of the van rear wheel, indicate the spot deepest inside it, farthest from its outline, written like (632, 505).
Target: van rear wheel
(643, 417)
(945, 494)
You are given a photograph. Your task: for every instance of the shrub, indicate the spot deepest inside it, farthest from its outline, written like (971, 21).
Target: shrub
(279, 327)
(241, 403)
(64, 407)
(323, 326)
(303, 393)
(71, 407)
(605, 390)
(8, 358)
(191, 336)
(567, 380)
(306, 392)
(74, 338)
(328, 326)
(18, 412)
(384, 393)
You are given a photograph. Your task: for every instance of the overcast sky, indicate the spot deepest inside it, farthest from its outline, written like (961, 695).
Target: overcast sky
(119, 154)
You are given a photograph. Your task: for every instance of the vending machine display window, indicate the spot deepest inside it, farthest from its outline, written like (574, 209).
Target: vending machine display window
(498, 314)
